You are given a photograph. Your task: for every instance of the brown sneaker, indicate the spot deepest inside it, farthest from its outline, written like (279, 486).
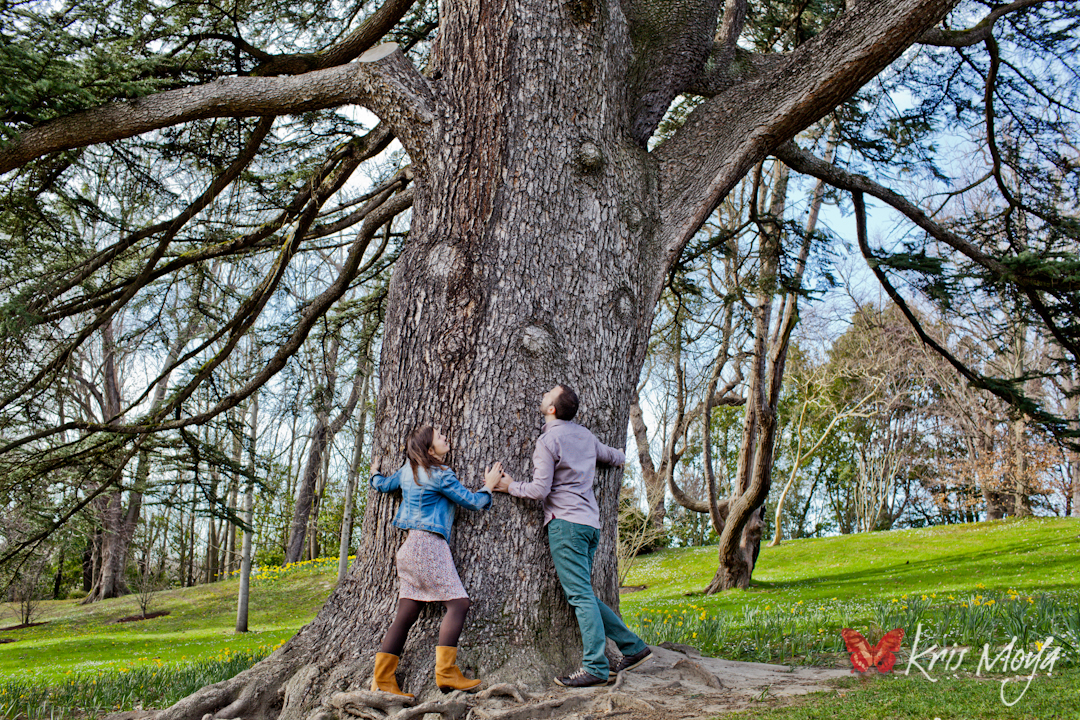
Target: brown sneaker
(632, 661)
(581, 679)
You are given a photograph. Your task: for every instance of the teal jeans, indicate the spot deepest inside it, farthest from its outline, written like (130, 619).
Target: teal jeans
(572, 549)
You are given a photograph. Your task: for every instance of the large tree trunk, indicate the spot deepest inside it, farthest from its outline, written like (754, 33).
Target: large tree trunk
(529, 263)
(527, 266)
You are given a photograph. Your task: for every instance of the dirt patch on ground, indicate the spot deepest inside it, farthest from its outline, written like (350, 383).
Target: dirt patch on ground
(148, 616)
(22, 627)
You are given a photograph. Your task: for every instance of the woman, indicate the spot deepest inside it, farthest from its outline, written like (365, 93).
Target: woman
(429, 492)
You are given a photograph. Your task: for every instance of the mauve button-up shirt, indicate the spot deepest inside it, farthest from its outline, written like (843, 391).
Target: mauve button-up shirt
(564, 467)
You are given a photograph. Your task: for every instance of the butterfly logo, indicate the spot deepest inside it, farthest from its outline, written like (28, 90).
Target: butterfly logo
(880, 656)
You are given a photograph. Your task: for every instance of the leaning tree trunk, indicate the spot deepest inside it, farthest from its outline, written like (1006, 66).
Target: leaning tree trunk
(741, 528)
(320, 438)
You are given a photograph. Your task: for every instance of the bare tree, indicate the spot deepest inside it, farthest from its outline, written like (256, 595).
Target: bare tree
(249, 502)
(350, 484)
(837, 415)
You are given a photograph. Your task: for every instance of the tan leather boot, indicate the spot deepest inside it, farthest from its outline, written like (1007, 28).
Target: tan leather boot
(385, 665)
(447, 674)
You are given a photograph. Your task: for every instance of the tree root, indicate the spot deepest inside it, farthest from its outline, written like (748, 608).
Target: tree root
(375, 705)
(505, 689)
(369, 703)
(250, 694)
(449, 710)
(550, 708)
(618, 703)
(699, 673)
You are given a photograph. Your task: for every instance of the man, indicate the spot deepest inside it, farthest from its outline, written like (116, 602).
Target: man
(564, 465)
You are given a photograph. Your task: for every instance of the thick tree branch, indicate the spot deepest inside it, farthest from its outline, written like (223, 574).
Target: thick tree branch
(249, 311)
(702, 162)
(154, 421)
(732, 26)
(351, 154)
(364, 37)
(671, 40)
(311, 313)
(804, 162)
(382, 80)
(1004, 390)
(113, 480)
(981, 32)
(728, 68)
(641, 439)
(222, 181)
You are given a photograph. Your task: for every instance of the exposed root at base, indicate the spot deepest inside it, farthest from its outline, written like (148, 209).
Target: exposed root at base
(375, 705)
(674, 685)
(505, 689)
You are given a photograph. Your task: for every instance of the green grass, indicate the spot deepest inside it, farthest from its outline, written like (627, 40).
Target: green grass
(969, 582)
(900, 697)
(1036, 556)
(96, 694)
(78, 639)
(967, 585)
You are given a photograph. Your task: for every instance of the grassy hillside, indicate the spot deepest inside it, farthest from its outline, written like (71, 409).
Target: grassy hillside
(982, 580)
(967, 584)
(78, 638)
(1040, 555)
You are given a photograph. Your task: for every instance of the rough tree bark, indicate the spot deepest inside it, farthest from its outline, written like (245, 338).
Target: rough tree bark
(542, 231)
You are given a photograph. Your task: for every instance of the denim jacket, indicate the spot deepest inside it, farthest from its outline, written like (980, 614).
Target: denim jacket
(430, 505)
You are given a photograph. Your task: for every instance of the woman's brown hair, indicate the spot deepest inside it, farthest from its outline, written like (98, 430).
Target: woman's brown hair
(417, 446)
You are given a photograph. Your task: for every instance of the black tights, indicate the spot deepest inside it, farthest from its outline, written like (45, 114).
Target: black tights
(407, 613)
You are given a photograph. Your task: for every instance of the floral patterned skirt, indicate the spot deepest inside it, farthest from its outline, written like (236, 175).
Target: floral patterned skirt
(426, 569)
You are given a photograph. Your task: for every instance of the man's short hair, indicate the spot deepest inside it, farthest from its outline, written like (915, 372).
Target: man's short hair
(566, 404)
